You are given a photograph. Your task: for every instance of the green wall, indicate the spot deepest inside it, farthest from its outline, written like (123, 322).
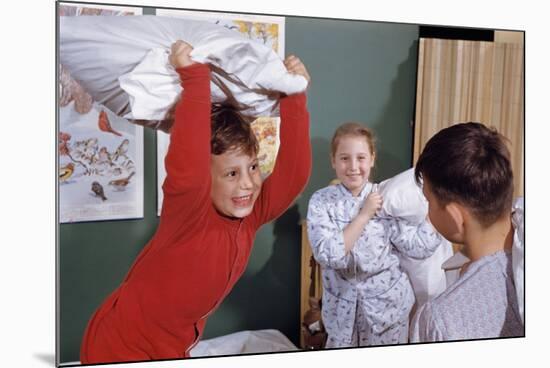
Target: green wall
(360, 71)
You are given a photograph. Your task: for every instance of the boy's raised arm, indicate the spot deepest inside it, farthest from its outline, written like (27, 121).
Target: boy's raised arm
(293, 165)
(188, 159)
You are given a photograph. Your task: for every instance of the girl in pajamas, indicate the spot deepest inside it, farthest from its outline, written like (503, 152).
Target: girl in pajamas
(367, 298)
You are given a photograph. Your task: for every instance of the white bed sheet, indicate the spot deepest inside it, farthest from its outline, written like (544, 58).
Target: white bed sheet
(244, 342)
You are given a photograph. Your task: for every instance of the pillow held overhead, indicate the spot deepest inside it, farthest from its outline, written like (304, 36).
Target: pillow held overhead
(122, 62)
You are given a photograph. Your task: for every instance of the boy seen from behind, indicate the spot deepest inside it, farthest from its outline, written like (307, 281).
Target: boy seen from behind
(467, 178)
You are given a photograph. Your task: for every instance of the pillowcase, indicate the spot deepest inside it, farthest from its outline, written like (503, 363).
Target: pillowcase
(98, 50)
(427, 275)
(518, 253)
(403, 198)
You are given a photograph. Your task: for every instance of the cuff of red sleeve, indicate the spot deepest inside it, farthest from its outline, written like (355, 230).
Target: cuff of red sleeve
(295, 102)
(196, 70)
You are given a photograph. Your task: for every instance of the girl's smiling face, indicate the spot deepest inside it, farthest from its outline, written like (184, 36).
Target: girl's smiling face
(353, 162)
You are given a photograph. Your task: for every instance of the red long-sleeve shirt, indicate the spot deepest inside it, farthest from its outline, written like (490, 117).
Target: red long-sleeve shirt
(196, 256)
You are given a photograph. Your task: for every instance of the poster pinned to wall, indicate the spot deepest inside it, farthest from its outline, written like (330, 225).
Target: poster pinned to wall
(268, 30)
(100, 153)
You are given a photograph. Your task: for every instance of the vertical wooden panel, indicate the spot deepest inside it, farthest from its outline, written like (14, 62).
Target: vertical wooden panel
(484, 84)
(308, 277)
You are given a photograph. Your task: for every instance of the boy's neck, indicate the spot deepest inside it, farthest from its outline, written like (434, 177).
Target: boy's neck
(480, 242)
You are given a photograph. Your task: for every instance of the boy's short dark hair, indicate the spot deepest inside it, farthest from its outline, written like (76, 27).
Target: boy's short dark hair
(231, 130)
(469, 164)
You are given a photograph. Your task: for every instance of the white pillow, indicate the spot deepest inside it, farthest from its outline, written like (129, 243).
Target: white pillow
(97, 50)
(403, 198)
(518, 252)
(426, 275)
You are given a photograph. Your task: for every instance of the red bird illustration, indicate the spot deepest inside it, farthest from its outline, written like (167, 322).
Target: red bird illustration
(105, 125)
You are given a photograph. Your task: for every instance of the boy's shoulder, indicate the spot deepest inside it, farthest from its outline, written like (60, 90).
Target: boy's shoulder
(481, 282)
(477, 303)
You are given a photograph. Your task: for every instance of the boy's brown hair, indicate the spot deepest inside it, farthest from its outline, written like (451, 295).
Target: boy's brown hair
(469, 164)
(231, 130)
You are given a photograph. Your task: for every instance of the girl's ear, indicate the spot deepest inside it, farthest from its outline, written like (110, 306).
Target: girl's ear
(373, 160)
(332, 162)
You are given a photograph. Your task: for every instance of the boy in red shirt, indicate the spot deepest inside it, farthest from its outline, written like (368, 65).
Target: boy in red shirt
(214, 202)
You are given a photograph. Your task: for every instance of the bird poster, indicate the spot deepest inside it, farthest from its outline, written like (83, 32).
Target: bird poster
(269, 30)
(100, 154)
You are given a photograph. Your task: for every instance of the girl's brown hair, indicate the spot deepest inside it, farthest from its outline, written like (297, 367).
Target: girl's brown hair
(356, 130)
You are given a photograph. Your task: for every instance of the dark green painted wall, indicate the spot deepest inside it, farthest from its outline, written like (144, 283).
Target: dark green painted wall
(360, 71)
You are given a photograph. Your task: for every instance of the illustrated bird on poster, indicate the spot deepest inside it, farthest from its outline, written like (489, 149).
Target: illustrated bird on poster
(66, 172)
(103, 156)
(120, 184)
(105, 125)
(98, 190)
(121, 150)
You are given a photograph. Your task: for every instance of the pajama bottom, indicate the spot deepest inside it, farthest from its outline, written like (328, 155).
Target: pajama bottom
(363, 335)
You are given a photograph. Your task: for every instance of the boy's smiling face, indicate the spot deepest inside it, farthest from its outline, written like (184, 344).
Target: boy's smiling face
(236, 183)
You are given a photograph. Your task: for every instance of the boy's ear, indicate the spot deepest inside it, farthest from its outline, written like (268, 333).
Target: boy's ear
(457, 216)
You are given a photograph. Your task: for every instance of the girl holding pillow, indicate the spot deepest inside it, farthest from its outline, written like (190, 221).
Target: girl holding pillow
(367, 297)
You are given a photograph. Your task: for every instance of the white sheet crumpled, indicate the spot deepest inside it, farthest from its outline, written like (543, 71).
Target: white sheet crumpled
(122, 61)
(518, 253)
(403, 199)
(243, 342)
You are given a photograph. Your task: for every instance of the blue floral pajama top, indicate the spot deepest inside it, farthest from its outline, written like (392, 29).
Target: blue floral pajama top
(369, 276)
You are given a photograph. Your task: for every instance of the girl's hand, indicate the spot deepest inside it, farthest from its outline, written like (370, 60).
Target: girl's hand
(179, 57)
(295, 66)
(373, 203)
